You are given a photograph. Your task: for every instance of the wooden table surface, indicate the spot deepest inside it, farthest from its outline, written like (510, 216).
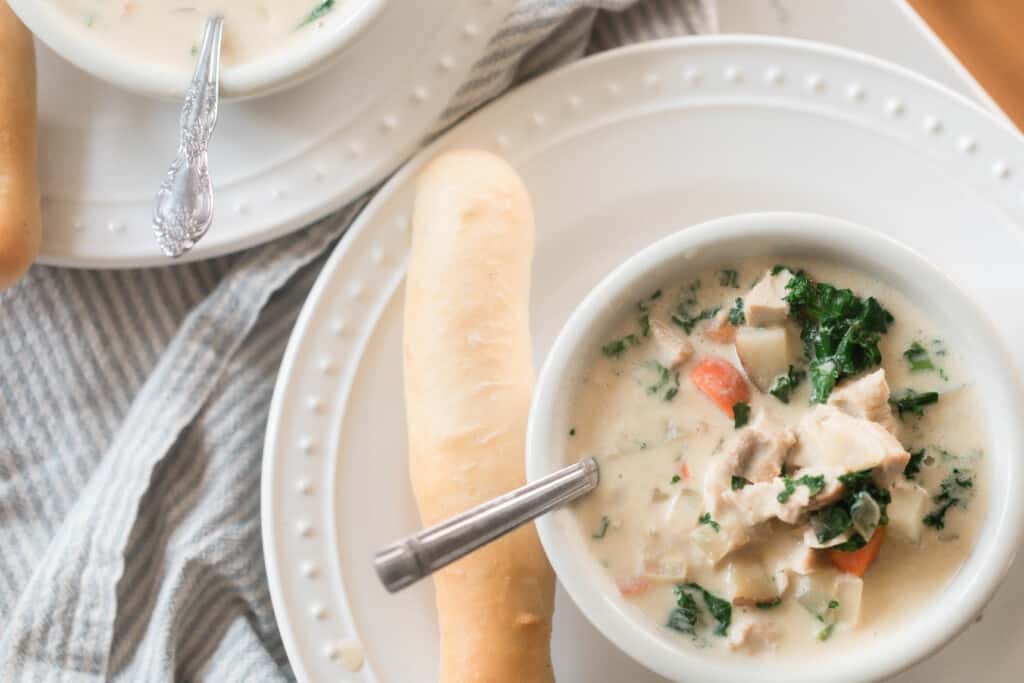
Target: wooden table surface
(986, 36)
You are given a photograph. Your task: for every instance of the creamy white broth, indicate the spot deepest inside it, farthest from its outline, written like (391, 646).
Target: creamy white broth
(644, 442)
(168, 31)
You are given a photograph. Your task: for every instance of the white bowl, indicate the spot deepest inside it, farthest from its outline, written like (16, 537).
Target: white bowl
(784, 235)
(292, 63)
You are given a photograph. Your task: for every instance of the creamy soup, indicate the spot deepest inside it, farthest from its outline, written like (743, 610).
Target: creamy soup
(778, 472)
(169, 30)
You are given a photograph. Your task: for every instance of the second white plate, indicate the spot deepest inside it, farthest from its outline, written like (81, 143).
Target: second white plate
(617, 151)
(278, 163)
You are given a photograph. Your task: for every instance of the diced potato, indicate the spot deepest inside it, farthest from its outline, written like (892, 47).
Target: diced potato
(710, 542)
(849, 590)
(765, 353)
(765, 303)
(815, 592)
(664, 562)
(748, 582)
(907, 509)
(717, 544)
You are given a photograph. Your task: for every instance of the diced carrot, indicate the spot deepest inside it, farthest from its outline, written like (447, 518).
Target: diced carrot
(684, 472)
(721, 382)
(633, 585)
(858, 561)
(721, 331)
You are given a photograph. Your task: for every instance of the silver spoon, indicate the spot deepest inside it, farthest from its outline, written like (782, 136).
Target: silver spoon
(409, 560)
(184, 203)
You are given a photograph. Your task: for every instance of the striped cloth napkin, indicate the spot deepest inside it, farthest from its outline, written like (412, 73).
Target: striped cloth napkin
(132, 410)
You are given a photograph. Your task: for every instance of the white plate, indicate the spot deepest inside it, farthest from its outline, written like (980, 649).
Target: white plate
(277, 162)
(617, 151)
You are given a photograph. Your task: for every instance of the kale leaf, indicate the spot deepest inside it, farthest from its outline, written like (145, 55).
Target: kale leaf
(914, 402)
(706, 519)
(683, 617)
(686, 321)
(840, 331)
(955, 490)
(721, 610)
(784, 385)
(837, 518)
(739, 482)
(918, 358)
(814, 484)
(736, 315)
(914, 464)
(740, 414)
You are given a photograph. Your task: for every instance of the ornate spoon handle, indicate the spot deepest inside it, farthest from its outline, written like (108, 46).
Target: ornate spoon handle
(184, 203)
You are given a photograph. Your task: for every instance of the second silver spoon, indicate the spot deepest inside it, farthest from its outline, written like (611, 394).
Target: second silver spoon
(184, 203)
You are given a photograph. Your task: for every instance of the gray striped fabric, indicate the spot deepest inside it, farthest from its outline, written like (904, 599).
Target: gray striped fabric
(132, 411)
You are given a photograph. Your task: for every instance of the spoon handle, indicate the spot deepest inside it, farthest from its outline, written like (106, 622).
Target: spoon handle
(184, 203)
(409, 560)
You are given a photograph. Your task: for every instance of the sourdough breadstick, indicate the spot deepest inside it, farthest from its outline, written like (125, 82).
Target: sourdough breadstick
(20, 231)
(468, 384)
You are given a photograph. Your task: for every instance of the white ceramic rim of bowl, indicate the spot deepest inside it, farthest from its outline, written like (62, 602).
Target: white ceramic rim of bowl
(280, 68)
(793, 234)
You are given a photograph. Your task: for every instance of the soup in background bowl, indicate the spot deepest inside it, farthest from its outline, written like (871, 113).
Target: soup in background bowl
(150, 46)
(806, 444)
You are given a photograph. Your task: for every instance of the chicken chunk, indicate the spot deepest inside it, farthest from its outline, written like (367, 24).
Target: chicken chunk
(868, 399)
(756, 454)
(753, 635)
(830, 438)
(674, 349)
(765, 303)
(760, 502)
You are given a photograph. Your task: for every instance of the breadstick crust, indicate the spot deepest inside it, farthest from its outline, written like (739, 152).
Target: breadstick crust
(468, 386)
(20, 222)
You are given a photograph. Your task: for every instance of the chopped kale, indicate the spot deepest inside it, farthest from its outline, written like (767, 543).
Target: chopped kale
(721, 610)
(683, 617)
(686, 321)
(918, 358)
(666, 382)
(645, 311)
(740, 414)
(914, 464)
(617, 347)
(321, 8)
(784, 385)
(736, 315)
(778, 268)
(706, 519)
(955, 490)
(814, 484)
(840, 331)
(645, 305)
(768, 604)
(914, 402)
(602, 530)
(675, 479)
(739, 482)
(833, 604)
(729, 278)
(837, 519)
